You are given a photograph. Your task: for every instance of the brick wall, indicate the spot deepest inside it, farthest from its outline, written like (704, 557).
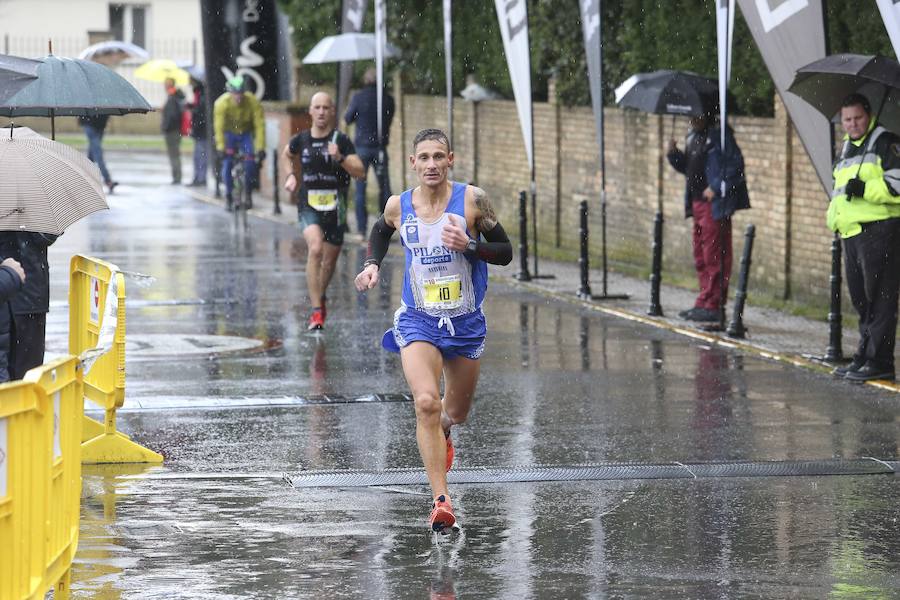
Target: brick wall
(792, 249)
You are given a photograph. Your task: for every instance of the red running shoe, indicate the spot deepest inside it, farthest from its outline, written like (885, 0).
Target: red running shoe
(316, 320)
(442, 518)
(450, 451)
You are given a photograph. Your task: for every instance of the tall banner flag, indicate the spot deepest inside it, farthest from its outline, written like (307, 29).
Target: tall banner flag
(590, 29)
(890, 14)
(352, 15)
(513, 18)
(724, 41)
(791, 34)
(448, 65)
(380, 42)
(246, 39)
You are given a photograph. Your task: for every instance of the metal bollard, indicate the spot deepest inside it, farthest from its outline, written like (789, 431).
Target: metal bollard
(584, 292)
(275, 192)
(834, 353)
(523, 274)
(736, 328)
(655, 309)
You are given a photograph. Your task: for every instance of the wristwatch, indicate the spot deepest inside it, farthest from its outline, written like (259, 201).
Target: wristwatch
(471, 246)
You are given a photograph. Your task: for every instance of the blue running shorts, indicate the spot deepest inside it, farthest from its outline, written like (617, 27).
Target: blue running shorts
(459, 336)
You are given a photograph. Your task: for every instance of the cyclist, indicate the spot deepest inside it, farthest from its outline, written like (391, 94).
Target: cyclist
(239, 126)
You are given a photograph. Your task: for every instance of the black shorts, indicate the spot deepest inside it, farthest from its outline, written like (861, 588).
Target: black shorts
(332, 222)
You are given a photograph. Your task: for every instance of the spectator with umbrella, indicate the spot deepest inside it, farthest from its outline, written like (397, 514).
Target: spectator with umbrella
(865, 202)
(706, 165)
(48, 187)
(52, 185)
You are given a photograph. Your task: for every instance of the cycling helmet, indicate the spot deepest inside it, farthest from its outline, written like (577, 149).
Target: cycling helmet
(235, 84)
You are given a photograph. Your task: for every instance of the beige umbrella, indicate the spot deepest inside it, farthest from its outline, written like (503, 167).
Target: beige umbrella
(45, 186)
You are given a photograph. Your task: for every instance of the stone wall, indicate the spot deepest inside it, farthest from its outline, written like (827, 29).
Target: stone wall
(792, 249)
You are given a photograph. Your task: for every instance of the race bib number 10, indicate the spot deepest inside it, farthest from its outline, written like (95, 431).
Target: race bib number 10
(442, 292)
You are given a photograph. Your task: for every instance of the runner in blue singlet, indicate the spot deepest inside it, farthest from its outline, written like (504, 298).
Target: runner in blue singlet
(439, 327)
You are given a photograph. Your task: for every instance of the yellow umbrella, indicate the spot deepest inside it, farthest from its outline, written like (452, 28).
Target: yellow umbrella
(161, 69)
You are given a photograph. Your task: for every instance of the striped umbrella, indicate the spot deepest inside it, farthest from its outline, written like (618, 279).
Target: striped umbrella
(45, 186)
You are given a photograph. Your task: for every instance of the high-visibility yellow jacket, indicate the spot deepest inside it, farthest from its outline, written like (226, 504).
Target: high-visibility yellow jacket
(245, 117)
(879, 168)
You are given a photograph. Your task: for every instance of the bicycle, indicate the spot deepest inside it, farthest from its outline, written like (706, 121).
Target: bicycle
(240, 191)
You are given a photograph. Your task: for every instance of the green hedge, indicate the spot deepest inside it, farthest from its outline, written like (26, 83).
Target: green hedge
(639, 35)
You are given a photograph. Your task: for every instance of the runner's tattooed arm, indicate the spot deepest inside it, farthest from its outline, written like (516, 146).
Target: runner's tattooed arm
(496, 249)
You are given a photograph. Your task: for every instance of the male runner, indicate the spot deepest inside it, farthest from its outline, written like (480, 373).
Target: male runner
(439, 327)
(327, 161)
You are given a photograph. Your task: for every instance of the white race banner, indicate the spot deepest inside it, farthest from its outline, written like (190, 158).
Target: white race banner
(513, 18)
(593, 48)
(354, 11)
(724, 39)
(448, 65)
(380, 42)
(791, 34)
(890, 14)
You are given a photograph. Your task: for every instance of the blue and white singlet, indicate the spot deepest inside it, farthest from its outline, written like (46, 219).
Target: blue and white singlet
(442, 288)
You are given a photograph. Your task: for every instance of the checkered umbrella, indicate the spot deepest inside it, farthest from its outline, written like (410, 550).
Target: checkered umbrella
(45, 186)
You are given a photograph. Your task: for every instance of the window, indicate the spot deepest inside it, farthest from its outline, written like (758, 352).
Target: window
(128, 22)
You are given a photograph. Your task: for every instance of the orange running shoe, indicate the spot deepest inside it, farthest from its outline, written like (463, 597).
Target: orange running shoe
(442, 518)
(316, 320)
(450, 451)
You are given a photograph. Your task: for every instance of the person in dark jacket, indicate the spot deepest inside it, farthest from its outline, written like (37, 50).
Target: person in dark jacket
(12, 276)
(198, 132)
(715, 188)
(171, 127)
(31, 304)
(94, 127)
(363, 110)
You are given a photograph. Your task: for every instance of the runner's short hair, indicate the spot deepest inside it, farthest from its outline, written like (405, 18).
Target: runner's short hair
(431, 134)
(857, 99)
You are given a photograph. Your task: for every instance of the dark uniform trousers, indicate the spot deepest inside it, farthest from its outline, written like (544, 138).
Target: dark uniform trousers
(873, 278)
(27, 349)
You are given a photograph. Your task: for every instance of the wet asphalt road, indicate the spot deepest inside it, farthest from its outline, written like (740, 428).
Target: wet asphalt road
(225, 382)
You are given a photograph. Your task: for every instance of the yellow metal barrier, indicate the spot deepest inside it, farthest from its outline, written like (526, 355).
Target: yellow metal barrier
(97, 324)
(40, 479)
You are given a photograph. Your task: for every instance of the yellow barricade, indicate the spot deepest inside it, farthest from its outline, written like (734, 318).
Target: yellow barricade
(97, 324)
(40, 479)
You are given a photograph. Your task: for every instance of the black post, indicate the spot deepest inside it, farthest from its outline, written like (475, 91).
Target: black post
(655, 309)
(736, 327)
(834, 353)
(523, 274)
(534, 220)
(275, 184)
(584, 292)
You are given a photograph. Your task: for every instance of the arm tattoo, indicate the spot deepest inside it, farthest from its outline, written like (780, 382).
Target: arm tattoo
(488, 218)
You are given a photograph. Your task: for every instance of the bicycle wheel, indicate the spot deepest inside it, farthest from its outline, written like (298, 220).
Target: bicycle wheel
(237, 179)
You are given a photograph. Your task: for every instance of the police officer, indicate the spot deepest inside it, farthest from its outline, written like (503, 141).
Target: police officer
(865, 210)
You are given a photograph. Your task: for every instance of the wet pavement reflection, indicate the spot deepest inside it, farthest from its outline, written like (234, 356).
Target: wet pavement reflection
(561, 385)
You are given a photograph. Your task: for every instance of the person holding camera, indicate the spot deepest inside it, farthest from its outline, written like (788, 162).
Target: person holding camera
(865, 210)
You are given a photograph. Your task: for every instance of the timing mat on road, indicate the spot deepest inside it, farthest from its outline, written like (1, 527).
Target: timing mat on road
(599, 472)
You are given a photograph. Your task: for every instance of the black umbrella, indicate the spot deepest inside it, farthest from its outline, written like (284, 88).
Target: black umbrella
(15, 73)
(826, 82)
(70, 87)
(670, 93)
